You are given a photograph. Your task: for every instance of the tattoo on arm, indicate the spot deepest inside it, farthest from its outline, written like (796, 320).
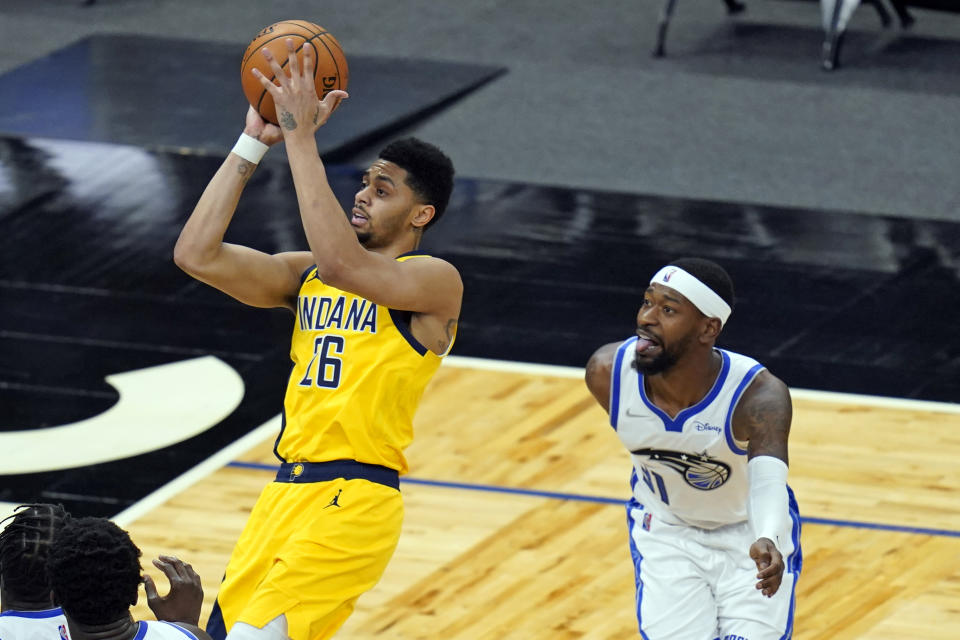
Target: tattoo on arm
(246, 170)
(287, 121)
(316, 116)
(768, 417)
(449, 329)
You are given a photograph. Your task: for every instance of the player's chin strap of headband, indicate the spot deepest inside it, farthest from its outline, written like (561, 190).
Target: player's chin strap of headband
(700, 295)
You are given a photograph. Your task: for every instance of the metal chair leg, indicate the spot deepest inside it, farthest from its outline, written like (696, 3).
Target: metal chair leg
(659, 50)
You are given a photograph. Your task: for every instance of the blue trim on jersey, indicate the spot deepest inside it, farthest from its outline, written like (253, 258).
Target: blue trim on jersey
(676, 424)
(283, 417)
(185, 632)
(637, 560)
(303, 276)
(401, 320)
(415, 252)
(141, 630)
(728, 424)
(615, 386)
(216, 628)
(796, 558)
(46, 613)
(795, 562)
(283, 425)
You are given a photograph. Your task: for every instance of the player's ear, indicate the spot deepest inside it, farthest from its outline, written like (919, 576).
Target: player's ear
(711, 329)
(423, 214)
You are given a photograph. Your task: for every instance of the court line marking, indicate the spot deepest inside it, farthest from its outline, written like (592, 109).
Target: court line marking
(272, 426)
(532, 368)
(579, 497)
(6, 509)
(186, 480)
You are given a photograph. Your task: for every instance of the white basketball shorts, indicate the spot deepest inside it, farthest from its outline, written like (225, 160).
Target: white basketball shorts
(700, 584)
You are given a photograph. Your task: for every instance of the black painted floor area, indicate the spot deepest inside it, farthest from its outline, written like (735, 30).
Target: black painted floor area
(828, 300)
(103, 161)
(185, 95)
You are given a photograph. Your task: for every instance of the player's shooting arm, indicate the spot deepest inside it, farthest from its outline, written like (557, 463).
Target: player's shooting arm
(252, 277)
(429, 286)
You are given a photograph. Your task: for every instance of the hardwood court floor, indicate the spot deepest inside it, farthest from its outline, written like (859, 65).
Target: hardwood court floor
(477, 564)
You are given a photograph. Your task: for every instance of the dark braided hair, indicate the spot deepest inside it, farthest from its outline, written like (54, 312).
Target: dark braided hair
(24, 545)
(94, 570)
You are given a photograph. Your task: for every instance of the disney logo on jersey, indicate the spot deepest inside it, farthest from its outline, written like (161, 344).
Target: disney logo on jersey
(703, 426)
(699, 471)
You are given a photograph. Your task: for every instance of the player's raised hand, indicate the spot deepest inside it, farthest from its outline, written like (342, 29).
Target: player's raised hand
(182, 603)
(769, 565)
(256, 127)
(299, 110)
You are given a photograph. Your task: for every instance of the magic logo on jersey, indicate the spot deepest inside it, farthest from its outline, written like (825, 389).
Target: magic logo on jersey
(699, 471)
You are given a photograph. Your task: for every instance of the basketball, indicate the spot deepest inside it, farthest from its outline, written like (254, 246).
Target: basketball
(329, 73)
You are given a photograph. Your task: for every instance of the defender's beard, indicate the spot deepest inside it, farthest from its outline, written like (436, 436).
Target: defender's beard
(661, 363)
(665, 361)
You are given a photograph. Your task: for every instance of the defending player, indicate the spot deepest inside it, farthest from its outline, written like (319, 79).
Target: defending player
(94, 570)
(714, 529)
(373, 318)
(27, 611)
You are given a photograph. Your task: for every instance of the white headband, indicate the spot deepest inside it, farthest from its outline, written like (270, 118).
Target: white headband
(700, 295)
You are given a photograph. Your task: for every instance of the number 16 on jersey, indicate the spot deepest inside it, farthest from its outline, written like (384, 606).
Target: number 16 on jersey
(326, 374)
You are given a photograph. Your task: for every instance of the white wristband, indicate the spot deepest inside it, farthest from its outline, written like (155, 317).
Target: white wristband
(767, 507)
(249, 148)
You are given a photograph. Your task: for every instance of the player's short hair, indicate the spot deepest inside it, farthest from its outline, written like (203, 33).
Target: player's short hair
(24, 546)
(711, 274)
(94, 570)
(429, 171)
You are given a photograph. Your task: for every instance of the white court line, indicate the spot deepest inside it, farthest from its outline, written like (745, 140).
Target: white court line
(506, 366)
(875, 401)
(272, 426)
(198, 473)
(6, 509)
(531, 368)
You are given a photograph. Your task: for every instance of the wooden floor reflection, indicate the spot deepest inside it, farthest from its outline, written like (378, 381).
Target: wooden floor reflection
(481, 562)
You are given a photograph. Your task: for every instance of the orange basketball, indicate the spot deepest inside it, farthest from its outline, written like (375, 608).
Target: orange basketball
(329, 73)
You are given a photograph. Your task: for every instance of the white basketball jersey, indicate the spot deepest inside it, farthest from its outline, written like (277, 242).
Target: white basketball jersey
(160, 630)
(34, 625)
(688, 469)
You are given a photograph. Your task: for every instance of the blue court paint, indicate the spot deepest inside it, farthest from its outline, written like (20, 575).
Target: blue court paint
(621, 501)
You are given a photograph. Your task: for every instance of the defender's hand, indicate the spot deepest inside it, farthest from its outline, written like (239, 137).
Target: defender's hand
(182, 603)
(769, 565)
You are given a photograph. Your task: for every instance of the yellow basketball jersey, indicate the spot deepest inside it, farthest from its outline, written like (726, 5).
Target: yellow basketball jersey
(358, 375)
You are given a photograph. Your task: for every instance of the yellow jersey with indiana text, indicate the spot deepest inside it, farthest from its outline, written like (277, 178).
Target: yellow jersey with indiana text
(358, 375)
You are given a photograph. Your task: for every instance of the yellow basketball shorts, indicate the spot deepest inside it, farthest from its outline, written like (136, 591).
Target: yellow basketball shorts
(308, 551)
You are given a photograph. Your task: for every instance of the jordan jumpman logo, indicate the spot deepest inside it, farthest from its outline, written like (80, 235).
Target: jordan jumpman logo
(334, 503)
